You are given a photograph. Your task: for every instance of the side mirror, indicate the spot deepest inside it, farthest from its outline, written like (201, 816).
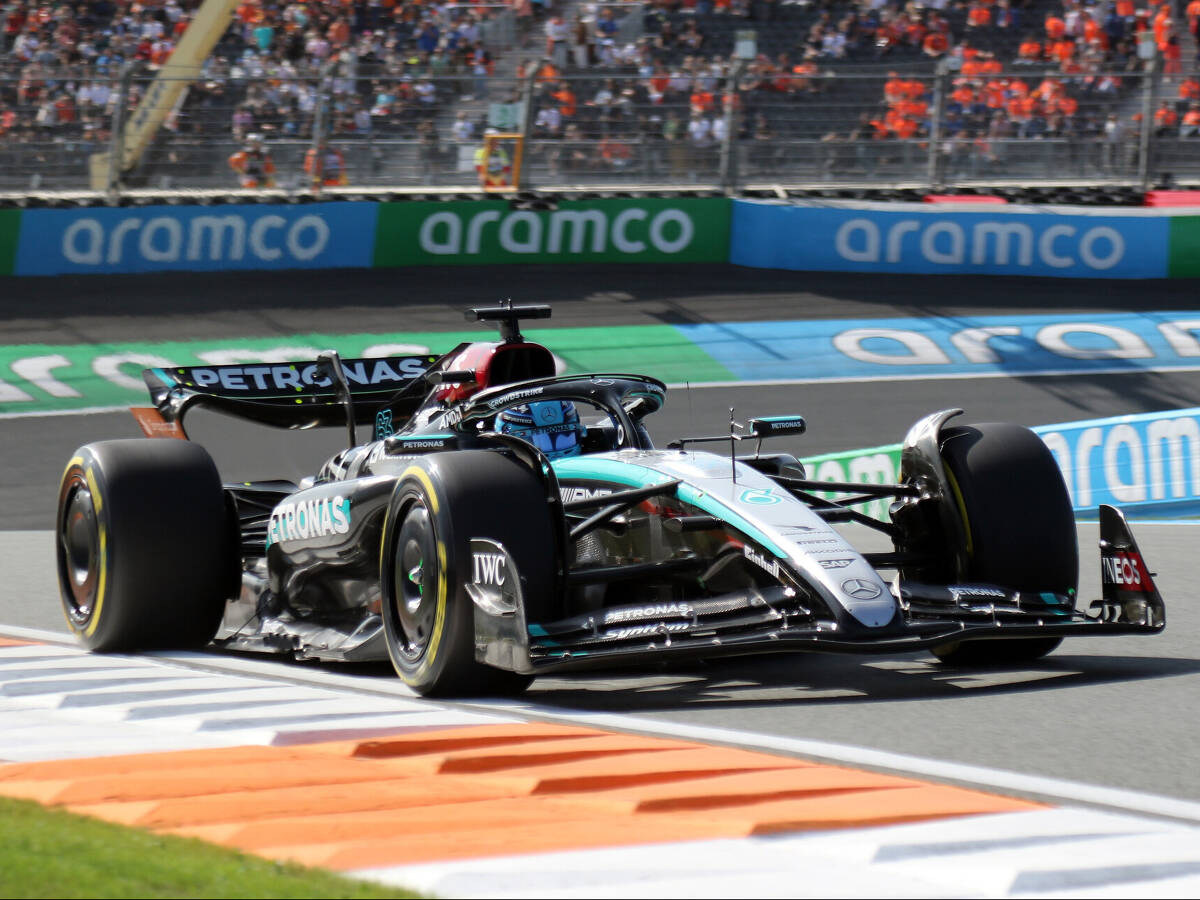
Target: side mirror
(777, 426)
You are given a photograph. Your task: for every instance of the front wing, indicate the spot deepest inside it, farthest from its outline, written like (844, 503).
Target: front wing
(778, 620)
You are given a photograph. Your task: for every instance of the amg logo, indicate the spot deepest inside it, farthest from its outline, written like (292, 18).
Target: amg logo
(1124, 570)
(571, 494)
(489, 568)
(648, 612)
(767, 565)
(634, 631)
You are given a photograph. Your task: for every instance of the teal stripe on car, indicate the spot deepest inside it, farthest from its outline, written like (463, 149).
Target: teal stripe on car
(633, 475)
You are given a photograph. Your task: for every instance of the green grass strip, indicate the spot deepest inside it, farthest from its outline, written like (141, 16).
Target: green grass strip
(52, 853)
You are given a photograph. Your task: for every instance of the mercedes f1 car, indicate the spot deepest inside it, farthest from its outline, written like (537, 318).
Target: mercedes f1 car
(505, 521)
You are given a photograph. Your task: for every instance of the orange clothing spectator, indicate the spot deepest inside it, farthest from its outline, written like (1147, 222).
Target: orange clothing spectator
(328, 170)
(994, 94)
(979, 16)
(339, 32)
(905, 127)
(567, 104)
(1166, 117)
(1172, 56)
(1192, 11)
(972, 68)
(1126, 9)
(701, 99)
(935, 43)
(1189, 88)
(1065, 105)
(1031, 51)
(963, 95)
(1055, 28)
(253, 165)
(1063, 50)
(893, 88)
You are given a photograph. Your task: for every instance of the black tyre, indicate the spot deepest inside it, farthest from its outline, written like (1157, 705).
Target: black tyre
(441, 502)
(1019, 524)
(146, 551)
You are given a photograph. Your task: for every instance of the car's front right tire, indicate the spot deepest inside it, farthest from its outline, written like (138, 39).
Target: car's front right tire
(1019, 525)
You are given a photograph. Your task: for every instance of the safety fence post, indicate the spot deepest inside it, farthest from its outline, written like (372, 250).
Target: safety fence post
(528, 86)
(729, 147)
(321, 117)
(941, 81)
(1150, 80)
(116, 154)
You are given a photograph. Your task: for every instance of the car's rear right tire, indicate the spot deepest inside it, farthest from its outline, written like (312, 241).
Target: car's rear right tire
(1019, 524)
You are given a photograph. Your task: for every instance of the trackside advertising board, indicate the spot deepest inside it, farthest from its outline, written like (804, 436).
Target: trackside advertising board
(1146, 464)
(1184, 260)
(924, 239)
(607, 230)
(10, 231)
(195, 238)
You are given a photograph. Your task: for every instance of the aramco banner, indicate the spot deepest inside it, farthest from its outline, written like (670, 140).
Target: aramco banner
(1146, 464)
(488, 232)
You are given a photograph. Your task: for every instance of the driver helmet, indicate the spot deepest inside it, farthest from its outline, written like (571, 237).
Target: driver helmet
(552, 426)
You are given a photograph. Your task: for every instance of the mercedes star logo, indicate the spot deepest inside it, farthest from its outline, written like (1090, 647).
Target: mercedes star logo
(860, 589)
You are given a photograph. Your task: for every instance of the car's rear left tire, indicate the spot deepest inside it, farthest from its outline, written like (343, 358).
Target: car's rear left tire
(1019, 524)
(145, 548)
(441, 502)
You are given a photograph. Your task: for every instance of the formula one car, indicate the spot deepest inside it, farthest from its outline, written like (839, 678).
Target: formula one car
(505, 521)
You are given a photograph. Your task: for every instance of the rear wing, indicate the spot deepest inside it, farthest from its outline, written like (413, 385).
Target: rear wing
(286, 395)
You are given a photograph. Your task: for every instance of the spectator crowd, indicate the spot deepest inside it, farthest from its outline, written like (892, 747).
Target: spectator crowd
(654, 96)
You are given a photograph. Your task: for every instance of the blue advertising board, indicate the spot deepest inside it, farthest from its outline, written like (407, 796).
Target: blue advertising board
(196, 238)
(1145, 464)
(919, 239)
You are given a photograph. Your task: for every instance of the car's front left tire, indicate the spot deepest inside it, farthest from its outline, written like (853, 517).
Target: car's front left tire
(440, 503)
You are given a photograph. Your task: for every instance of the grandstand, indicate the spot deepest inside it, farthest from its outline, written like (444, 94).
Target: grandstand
(835, 90)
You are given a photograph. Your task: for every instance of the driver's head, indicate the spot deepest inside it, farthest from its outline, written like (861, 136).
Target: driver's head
(550, 425)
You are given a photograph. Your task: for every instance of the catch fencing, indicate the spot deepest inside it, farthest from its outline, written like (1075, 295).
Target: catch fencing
(704, 124)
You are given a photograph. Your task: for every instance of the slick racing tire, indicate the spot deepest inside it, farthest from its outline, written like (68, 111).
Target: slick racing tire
(145, 546)
(441, 502)
(1020, 527)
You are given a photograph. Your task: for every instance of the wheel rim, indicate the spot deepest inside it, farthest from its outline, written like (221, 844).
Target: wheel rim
(79, 550)
(415, 580)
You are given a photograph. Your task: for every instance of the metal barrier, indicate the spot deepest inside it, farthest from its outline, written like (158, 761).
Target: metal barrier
(705, 123)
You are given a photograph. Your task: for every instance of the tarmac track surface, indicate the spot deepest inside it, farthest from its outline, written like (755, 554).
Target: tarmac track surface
(1114, 712)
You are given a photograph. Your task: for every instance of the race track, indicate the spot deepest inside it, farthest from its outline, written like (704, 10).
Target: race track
(1112, 712)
